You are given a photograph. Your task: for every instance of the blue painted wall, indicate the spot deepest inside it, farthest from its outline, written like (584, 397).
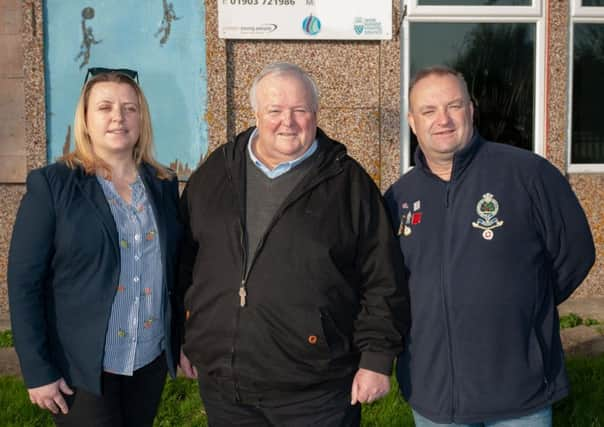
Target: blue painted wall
(164, 40)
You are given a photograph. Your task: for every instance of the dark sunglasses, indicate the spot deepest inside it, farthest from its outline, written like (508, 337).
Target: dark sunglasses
(95, 71)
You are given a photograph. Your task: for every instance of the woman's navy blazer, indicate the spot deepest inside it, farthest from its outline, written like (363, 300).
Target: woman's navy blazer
(63, 271)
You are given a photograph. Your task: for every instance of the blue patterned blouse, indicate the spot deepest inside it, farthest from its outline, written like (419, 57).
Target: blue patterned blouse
(135, 334)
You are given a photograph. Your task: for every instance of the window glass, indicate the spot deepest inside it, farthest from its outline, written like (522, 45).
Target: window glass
(477, 2)
(592, 3)
(498, 63)
(588, 92)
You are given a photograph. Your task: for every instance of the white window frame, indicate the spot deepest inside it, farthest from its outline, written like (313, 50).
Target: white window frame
(578, 10)
(474, 14)
(414, 9)
(579, 15)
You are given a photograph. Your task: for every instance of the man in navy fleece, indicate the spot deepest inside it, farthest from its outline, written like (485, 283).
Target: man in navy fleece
(493, 239)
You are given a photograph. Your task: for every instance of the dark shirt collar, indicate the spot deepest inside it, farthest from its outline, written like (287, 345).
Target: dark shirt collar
(461, 159)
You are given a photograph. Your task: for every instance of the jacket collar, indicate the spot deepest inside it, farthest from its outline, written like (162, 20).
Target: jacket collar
(327, 162)
(461, 159)
(149, 176)
(91, 189)
(327, 150)
(154, 187)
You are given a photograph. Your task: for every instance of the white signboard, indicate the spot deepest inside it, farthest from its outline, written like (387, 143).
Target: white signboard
(305, 19)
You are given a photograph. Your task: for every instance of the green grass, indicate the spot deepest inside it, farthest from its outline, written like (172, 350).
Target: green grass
(17, 410)
(6, 339)
(181, 405)
(585, 405)
(390, 411)
(590, 322)
(571, 320)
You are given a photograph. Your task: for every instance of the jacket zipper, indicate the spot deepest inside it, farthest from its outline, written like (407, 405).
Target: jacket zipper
(444, 272)
(242, 295)
(288, 202)
(245, 271)
(242, 241)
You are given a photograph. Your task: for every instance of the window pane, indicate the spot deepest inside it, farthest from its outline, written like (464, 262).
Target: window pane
(476, 2)
(498, 63)
(588, 92)
(592, 3)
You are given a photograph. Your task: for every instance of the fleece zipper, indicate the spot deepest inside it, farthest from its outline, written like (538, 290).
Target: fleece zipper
(445, 288)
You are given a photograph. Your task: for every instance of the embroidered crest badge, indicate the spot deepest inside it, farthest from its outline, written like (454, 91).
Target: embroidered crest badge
(409, 217)
(487, 209)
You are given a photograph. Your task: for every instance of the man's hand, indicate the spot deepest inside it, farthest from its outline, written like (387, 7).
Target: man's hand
(368, 386)
(50, 396)
(185, 365)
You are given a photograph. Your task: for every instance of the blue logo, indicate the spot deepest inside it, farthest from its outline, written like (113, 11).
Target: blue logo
(358, 26)
(311, 25)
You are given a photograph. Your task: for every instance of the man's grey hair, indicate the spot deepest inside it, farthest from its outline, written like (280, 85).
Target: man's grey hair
(439, 70)
(285, 68)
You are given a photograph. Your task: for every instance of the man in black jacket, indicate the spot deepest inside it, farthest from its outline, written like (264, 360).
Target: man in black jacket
(292, 280)
(493, 239)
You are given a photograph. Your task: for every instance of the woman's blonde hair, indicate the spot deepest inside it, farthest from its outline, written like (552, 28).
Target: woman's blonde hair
(83, 155)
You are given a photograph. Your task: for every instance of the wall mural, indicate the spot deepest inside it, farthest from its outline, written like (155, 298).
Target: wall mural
(164, 41)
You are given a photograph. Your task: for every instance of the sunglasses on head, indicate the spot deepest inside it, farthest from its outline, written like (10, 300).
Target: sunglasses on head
(95, 71)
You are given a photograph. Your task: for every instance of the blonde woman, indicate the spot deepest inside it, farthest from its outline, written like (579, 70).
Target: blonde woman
(91, 266)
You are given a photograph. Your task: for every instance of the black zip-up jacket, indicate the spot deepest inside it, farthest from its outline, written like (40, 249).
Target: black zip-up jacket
(325, 289)
(490, 254)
